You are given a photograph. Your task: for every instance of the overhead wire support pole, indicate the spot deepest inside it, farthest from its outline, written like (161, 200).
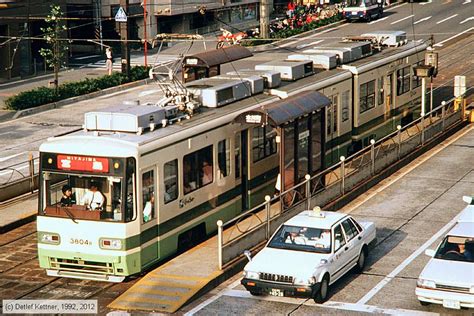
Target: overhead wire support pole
(145, 43)
(124, 36)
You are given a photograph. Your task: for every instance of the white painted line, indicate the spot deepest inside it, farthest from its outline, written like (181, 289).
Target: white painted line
(395, 7)
(379, 20)
(448, 39)
(425, 3)
(424, 19)
(448, 18)
(410, 16)
(210, 300)
(85, 57)
(420, 250)
(329, 304)
(466, 20)
(466, 2)
(309, 44)
(12, 156)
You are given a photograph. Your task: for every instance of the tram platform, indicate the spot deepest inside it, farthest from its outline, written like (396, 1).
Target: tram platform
(17, 213)
(188, 276)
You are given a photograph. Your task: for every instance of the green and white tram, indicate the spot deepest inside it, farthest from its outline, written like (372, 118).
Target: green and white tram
(164, 179)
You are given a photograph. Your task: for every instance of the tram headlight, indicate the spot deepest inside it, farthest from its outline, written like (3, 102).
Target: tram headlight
(111, 243)
(49, 238)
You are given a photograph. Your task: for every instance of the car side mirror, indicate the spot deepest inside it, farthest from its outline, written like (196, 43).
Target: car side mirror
(467, 199)
(430, 252)
(247, 253)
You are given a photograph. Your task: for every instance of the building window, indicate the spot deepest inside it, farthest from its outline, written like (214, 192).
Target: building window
(380, 94)
(416, 81)
(223, 157)
(345, 106)
(148, 195)
(367, 96)
(198, 169)
(263, 142)
(403, 80)
(170, 170)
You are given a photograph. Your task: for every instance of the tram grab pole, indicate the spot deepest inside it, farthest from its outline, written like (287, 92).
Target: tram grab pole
(219, 243)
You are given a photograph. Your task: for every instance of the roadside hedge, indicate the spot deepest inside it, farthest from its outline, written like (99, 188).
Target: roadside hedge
(306, 27)
(44, 95)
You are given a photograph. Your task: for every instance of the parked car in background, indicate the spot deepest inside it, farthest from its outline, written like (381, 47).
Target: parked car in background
(308, 253)
(448, 278)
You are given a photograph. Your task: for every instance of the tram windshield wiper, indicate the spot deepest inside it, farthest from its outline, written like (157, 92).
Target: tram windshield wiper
(69, 214)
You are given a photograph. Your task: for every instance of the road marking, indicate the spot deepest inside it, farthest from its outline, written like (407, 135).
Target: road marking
(410, 16)
(424, 19)
(12, 156)
(210, 300)
(311, 36)
(85, 57)
(309, 44)
(444, 20)
(448, 39)
(379, 20)
(466, 20)
(428, 243)
(466, 2)
(395, 7)
(425, 3)
(329, 304)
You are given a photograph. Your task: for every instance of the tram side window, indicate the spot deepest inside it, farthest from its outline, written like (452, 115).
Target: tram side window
(380, 91)
(345, 106)
(416, 81)
(223, 157)
(263, 142)
(171, 180)
(148, 195)
(403, 80)
(198, 169)
(367, 96)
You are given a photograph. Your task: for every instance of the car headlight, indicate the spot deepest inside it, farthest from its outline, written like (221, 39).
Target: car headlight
(251, 275)
(305, 281)
(49, 238)
(110, 243)
(426, 283)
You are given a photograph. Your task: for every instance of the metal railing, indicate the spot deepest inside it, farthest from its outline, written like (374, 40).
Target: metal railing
(19, 178)
(254, 226)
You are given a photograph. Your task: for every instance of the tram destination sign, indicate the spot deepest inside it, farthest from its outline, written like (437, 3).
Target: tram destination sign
(83, 163)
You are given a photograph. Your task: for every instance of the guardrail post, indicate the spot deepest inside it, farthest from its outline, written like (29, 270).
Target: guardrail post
(422, 130)
(343, 173)
(308, 191)
(399, 134)
(32, 172)
(219, 243)
(372, 156)
(443, 114)
(267, 208)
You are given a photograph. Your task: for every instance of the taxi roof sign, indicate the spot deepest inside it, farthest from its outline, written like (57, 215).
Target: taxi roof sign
(121, 16)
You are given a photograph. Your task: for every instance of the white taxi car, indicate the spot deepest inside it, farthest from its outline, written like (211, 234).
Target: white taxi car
(307, 254)
(448, 278)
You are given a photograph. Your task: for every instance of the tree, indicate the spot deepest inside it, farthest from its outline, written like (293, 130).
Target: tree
(55, 54)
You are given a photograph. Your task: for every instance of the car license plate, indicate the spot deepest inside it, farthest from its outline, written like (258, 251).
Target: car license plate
(354, 13)
(451, 304)
(276, 292)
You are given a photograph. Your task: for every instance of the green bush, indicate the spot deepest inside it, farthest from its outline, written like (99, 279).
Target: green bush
(43, 95)
(306, 27)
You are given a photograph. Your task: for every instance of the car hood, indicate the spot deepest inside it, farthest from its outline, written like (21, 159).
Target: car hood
(449, 272)
(285, 262)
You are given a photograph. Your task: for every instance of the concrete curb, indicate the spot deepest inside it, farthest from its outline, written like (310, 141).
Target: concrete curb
(55, 105)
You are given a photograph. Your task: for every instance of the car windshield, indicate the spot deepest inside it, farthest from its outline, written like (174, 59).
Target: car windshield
(302, 239)
(456, 248)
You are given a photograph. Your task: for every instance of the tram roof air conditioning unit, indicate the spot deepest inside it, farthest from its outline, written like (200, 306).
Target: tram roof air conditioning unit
(214, 93)
(388, 38)
(343, 56)
(256, 82)
(324, 60)
(272, 79)
(289, 69)
(125, 118)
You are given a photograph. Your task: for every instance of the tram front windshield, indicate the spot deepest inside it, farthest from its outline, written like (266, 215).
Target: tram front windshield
(85, 195)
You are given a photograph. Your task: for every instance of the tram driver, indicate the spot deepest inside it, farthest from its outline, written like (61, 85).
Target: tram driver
(68, 197)
(93, 199)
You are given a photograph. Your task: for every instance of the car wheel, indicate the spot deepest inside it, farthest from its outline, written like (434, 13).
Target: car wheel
(322, 294)
(423, 303)
(361, 261)
(255, 293)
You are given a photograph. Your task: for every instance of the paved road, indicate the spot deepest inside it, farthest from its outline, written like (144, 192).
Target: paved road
(412, 210)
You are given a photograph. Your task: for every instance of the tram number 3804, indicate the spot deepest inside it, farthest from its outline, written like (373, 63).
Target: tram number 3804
(78, 241)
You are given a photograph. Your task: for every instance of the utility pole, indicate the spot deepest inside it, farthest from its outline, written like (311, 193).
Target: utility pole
(98, 22)
(124, 35)
(145, 32)
(265, 8)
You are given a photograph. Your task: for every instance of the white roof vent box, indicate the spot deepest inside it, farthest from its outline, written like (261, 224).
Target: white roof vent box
(320, 60)
(125, 118)
(256, 82)
(290, 70)
(272, 79)
(216, 92)
(388, 38)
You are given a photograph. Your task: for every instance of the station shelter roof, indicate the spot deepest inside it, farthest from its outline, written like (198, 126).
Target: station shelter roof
(217, 56)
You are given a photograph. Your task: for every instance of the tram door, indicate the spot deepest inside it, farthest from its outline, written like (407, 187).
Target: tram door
(244, 168)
